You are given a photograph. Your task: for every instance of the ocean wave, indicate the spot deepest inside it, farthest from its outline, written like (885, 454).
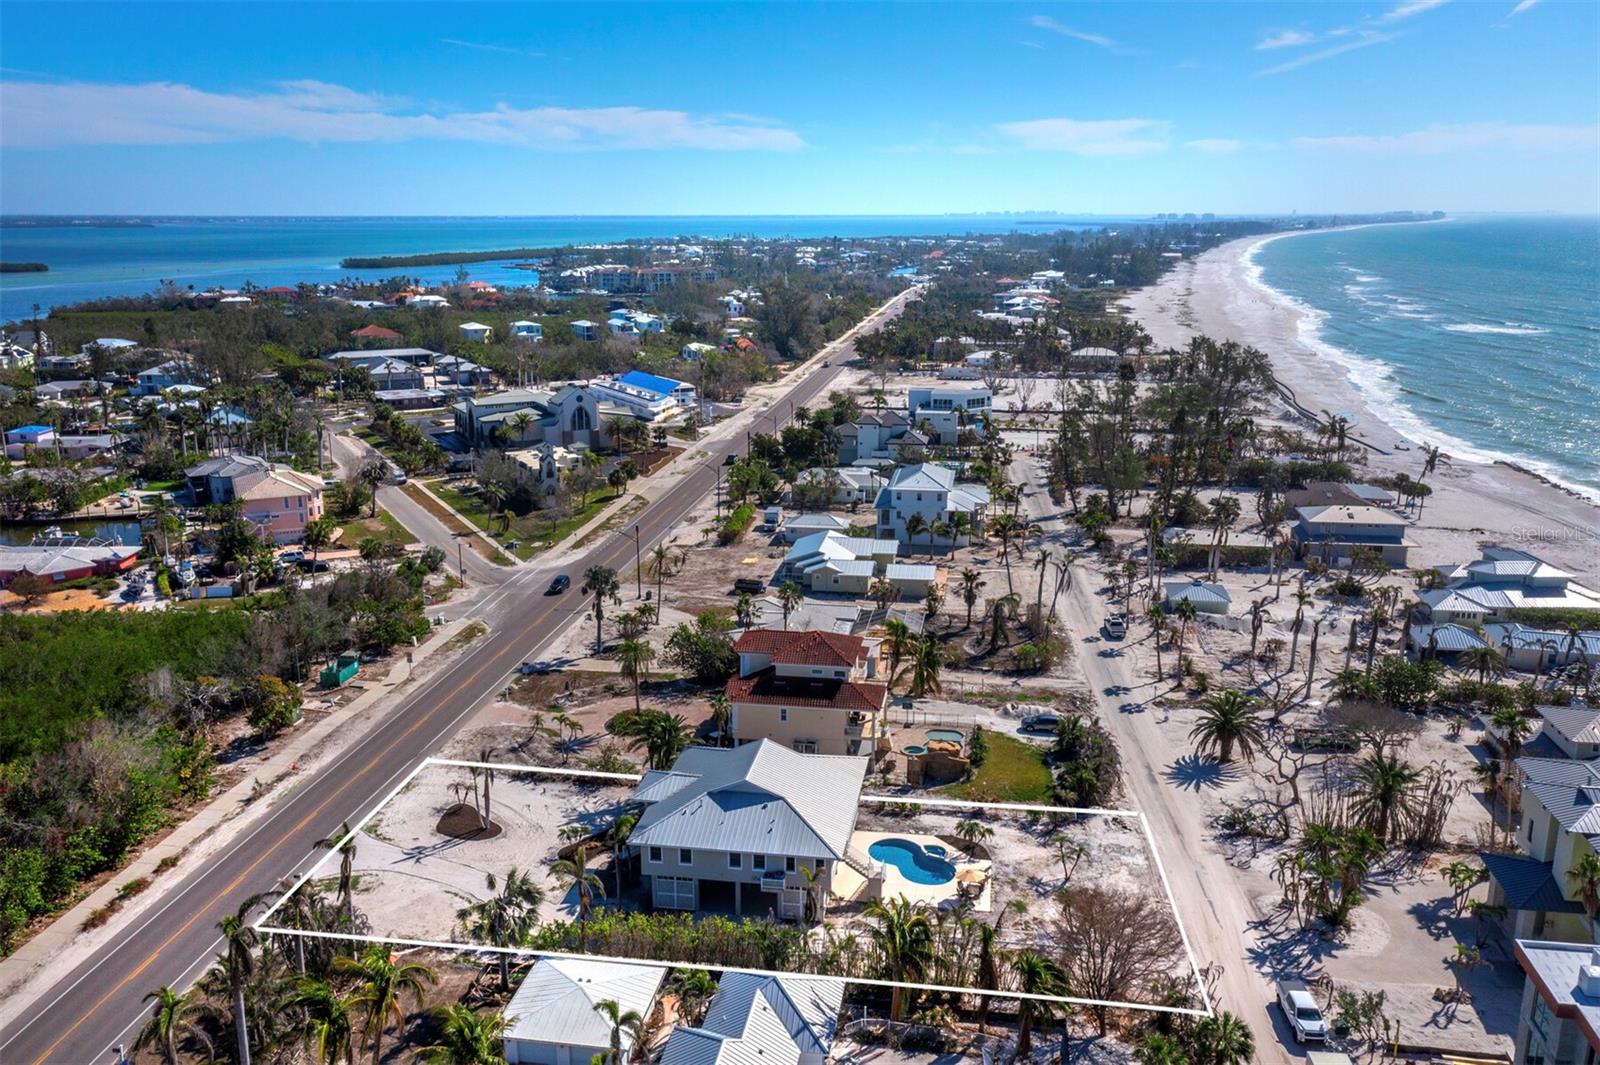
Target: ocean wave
(1375, 382)
(1367, 279)
(1499, 330)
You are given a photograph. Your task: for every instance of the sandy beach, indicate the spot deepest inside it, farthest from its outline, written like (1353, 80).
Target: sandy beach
(1474, 502)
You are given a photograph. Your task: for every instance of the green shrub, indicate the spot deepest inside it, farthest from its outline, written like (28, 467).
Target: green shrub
(736, 523)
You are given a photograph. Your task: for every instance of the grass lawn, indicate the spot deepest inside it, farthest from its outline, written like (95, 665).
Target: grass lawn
(535, 533)
(1013, 772)
(385, 527)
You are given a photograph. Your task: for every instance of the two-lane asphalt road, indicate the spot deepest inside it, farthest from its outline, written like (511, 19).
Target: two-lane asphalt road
(98, 1004)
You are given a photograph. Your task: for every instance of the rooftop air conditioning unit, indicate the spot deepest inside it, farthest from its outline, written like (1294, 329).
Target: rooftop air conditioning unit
(1589, 975)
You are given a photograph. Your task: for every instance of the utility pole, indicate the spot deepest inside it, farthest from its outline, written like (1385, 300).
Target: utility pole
(638, 567)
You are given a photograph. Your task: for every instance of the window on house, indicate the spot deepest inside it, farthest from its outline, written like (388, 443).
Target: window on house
(685, 856)
(788, 865)
(783, 713)
(805, 746)
(655, 854)
(758, 862)
(735, 861)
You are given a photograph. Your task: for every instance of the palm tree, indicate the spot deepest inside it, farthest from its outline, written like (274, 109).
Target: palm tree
(1585, 878)
(238, 966)
(1004, 528)
(317, 535)
(1037, 975)
(972, 832)
(621, 829)
(634, 658)
(505, 918)
(468, 1038)
(1158, 632)
(1001, 611)
(381, 985)
(1430, 461)
(1224, 512)
(904, 937)
(1385, 794)
(1229, 720)
(1184, 611)
(660, 561)
(1224, 1039)
(1042, 564)
(916, 525)
(662, 735)
(927, 658)
(790, 598)
(328, 1027)
(971, 584)
(630, 1021)
(345, 841)
(372, 475)
(721, 716)
(520, 423)
(170, 1024)
(1302, 599)
(573, 873)
(898, 643)
(744, 610)
(1484, 659)
(601, 582)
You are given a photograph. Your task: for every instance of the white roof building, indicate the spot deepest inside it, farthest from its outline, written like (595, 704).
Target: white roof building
(762, 1020)
(554, 1020)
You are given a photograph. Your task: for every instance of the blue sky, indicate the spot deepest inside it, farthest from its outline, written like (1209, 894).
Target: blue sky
(679, 108)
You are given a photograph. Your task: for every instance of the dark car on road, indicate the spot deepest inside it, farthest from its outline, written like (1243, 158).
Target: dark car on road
(730, 459)
(1041, 723)
(559, 585)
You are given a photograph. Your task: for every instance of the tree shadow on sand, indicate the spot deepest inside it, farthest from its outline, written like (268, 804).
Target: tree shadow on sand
(1194, 772)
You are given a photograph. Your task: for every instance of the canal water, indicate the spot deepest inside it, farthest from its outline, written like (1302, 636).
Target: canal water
(115, 530)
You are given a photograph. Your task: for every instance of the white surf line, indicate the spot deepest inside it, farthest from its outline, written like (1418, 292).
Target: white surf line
(459, 948)
(1172, 901)
(334, 849)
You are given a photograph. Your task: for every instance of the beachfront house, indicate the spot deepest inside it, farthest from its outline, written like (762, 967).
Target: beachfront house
(1335, 533)
(1504, 579)
(555, 1017)
(726, 829)
(932, 493)
(814, 692)
(770, 1019)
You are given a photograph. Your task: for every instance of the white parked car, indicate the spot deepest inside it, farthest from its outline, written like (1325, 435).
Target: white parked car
(1300, 1010)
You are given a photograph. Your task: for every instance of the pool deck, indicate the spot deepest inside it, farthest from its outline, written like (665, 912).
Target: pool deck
(849, 884)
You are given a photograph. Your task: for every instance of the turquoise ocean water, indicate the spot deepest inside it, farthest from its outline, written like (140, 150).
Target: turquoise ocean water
(1481, 335)
(91, 263)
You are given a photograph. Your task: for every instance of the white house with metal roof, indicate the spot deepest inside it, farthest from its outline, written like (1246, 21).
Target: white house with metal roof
(554, 1019)
(1207, 598)
(751, 827)
(1505, 578)
(826, 562)
(762, 1020)
(932, 492)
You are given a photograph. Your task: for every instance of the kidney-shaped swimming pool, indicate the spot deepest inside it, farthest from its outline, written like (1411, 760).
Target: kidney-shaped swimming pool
(914, 863)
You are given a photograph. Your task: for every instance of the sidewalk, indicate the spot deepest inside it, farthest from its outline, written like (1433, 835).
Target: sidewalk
(64, 943)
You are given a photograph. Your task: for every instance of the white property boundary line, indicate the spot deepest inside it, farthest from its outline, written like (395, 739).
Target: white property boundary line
(261, 925)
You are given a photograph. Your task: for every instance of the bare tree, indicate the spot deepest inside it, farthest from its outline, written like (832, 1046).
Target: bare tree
(1114, 943)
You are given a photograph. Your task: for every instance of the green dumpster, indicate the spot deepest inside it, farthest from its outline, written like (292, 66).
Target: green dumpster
(341, 669)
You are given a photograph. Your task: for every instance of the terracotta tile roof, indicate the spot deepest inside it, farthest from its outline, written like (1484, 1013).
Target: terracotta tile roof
(803, 648)
(377, 332)
(769, 688)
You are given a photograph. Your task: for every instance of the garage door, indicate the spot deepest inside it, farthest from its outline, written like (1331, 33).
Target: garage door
(673, 892)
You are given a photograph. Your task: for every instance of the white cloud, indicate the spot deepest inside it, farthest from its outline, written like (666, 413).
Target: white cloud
(1408, 8)
(41, 115)
(1285, 39)
(1522, 6)
(1466, 137)
(1214, 145)
(484, 46)
(1365, 39)
(1116, 136)
(1045, 22)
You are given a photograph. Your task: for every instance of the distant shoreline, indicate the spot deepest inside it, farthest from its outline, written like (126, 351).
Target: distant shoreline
(442, 258)
(24, 268)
